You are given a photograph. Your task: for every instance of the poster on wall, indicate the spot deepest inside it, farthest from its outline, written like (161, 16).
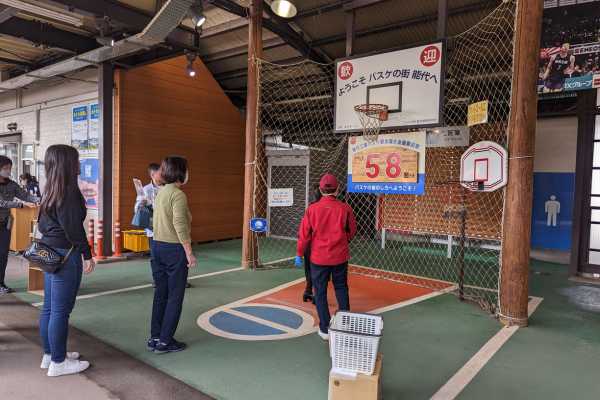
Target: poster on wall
(570, 46)
(94, 128)
(394, 164)
(89, 181)
(281, 197)
(85, 129)
(79, 127)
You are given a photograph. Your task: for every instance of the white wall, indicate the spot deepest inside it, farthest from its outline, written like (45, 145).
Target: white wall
(55, 101)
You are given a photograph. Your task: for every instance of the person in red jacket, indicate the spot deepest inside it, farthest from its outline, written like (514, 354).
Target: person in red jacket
(327, 227)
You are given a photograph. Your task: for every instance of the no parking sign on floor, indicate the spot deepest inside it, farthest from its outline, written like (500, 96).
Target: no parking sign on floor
(256, 321)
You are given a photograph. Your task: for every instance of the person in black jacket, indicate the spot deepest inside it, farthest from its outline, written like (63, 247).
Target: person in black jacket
(9, 190)
(308, 290)
(61, 223)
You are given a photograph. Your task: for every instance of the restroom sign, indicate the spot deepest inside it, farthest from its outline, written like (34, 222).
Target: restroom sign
(484, 167)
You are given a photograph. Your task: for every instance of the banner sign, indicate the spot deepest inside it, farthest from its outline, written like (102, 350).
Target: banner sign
(281, 197)
(570, 46)
(394, 164)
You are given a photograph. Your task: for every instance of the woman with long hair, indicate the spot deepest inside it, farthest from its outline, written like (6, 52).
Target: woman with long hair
(61, 223)
(173, 255)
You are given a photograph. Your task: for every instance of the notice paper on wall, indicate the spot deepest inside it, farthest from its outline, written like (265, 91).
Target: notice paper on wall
(281, 197)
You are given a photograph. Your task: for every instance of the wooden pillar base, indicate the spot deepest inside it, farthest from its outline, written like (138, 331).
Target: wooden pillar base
(509, 321)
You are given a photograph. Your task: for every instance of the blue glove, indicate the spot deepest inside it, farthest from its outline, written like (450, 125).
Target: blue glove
(298, 261)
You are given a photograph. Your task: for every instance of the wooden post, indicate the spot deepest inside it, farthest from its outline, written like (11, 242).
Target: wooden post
(249, 248)
(516, 237)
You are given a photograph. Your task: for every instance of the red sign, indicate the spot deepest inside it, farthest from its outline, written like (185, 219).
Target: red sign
(345, 70)
(430, 56)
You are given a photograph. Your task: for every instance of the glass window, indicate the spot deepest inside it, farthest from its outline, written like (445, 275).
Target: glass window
(594, 236)
(595, 216)
(595, 201)
(596, 182)
(594, 257)
(597, 129)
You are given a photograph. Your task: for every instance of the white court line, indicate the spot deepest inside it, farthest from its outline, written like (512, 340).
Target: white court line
(148, 285)
(465, 375)
(132, 288)
(259, 320)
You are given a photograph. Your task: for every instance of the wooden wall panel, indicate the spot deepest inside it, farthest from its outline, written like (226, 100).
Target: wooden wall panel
(162, 111)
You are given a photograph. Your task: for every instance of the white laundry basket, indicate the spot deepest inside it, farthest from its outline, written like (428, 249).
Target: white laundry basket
(354, 342)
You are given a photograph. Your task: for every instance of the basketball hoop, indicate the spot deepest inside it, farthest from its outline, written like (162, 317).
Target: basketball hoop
(371, 117)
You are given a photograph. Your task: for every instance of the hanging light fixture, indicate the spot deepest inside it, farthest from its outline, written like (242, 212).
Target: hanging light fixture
(191, 57)
(196, 14)
(284, 8)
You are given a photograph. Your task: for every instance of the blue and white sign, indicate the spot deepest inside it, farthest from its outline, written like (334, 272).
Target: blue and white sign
(393, 164)
(258, 225)
(94, 127)
(256, 321)
(79, 127)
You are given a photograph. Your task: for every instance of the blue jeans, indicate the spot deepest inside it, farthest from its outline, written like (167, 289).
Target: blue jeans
(320, 279)
(60, 291)
(170, 272)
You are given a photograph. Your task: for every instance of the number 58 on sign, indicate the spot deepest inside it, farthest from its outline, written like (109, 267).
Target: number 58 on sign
(394, 164)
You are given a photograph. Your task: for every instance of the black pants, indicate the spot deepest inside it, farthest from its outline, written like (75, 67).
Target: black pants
(170, 272)
(320, 277)
(4, 245)
(309, 284)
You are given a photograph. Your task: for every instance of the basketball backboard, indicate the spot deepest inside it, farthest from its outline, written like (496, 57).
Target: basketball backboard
(484, 167)
(408, 81)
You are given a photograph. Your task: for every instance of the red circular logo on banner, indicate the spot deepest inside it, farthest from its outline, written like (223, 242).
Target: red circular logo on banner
(345, 70)
(430, 56)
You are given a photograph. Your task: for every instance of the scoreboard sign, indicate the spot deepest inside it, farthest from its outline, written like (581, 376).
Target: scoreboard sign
(394, 164)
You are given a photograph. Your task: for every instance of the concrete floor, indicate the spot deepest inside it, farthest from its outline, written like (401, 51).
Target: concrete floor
(113, 374)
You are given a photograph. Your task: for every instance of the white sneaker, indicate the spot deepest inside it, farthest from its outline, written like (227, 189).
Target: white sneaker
(324, 336)
(47, 359)
(67, 367)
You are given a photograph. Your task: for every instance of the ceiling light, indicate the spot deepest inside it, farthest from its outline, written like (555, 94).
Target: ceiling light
(284, 8)
(196, 14)
(191, 57)
(106, 41)
(44, 12)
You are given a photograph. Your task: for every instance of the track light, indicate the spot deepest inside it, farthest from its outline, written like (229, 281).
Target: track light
(191, 57)
(284, 8)
(196, 14)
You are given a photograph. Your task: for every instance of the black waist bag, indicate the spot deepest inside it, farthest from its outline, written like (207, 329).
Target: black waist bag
(45, 257)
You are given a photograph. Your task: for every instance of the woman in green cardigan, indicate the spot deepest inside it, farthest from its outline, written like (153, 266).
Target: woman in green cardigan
(172, 249)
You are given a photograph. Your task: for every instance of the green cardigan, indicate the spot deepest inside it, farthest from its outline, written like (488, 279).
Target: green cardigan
(172, 220)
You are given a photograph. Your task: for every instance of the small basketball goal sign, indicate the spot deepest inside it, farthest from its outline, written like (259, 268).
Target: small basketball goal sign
(484, 167)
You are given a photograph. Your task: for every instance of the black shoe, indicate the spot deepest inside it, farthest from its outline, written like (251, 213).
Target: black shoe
(306, 297)
(188, 285)
(152, 342)
(173, 347)
(5, 289)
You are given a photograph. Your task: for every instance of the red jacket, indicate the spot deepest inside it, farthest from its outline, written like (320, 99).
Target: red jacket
(327, 227)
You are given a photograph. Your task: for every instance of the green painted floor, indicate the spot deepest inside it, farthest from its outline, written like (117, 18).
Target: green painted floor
(423, 345)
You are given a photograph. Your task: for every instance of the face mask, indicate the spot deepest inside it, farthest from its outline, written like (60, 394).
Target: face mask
(4, 173)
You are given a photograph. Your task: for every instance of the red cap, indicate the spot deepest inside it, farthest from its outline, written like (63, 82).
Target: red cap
(328, 181)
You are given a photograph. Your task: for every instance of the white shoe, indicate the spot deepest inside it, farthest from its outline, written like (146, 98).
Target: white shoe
(324, 336)
(47, 359)
(67, 367)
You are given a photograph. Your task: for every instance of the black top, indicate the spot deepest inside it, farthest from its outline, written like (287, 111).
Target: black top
(62, 227)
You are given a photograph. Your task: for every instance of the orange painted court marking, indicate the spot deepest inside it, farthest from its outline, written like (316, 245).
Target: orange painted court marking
(366, 294)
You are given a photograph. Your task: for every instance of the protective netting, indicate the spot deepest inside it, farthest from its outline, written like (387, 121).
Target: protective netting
(448, 238)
